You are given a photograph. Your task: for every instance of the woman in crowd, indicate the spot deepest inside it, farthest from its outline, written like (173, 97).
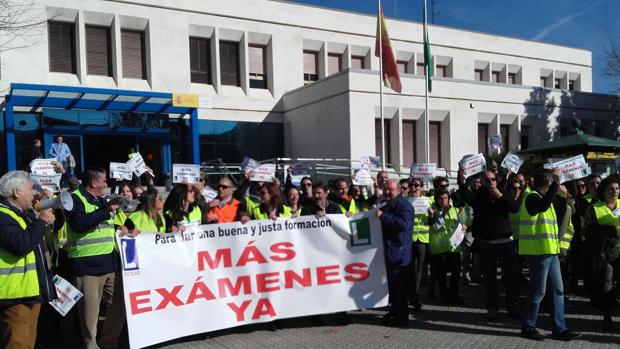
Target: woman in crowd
(271, 203)
(420, 239)
(126, 190)
(292, 198)
(601, 232)
(181, 208)
(36, 150)
(148, 216)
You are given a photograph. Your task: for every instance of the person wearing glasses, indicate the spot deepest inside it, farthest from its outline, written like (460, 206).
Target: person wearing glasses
(305, 188)
(491, 227)
(419, 240)
(148, 217)
(226, 207)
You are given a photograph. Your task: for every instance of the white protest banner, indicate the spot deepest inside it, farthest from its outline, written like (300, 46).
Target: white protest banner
(420, 204)
(457, 237)
(362, 177)
(136, 163)
(571, 168)
(473, 165)
(249, 164)
(495, 142)
(51, 182)
(370, 162)
(512, 162)
(119, 170)
(263, 173)
(226, 275)
(185, 173)
(424, 171)
(43, 167)
(68, 295)
(209, 194)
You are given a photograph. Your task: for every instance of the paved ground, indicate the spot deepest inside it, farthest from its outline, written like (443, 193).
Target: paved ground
(435, 327)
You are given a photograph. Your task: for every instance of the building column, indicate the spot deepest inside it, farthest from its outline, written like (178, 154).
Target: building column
(9, 129)
(195, 130)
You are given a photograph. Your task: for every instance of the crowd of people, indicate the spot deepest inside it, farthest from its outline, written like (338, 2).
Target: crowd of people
(560, 233)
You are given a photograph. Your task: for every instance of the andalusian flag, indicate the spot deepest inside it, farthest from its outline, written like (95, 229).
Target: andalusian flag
(428, 64)
(391, 78)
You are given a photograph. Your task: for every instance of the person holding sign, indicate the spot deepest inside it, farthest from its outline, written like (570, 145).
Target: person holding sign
(27, 281)
(539, 244)
(444, 258)
(422, 209)
(181, 209)
(93, 256)
(601, 232)
(491, 227)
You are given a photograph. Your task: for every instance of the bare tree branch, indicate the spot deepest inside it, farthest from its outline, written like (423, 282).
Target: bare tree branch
(19, 21)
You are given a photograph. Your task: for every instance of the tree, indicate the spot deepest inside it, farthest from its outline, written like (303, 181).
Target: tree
(20, 22)
(612, 55)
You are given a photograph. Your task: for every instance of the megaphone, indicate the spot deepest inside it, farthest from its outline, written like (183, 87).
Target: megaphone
(127, 205)
(63, 201)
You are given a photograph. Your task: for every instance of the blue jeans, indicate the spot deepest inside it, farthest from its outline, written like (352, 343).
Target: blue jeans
(545, 273)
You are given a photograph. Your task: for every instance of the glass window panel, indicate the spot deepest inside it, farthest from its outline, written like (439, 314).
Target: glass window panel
(60, 117)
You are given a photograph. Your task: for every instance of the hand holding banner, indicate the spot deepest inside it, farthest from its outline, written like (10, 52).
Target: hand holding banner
(473, 165)
(512, 162)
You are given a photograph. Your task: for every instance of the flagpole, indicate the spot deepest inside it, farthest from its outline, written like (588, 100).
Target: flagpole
(427, 140)
(380, 24)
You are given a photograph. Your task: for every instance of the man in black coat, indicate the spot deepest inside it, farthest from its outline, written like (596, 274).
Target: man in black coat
(397, 225)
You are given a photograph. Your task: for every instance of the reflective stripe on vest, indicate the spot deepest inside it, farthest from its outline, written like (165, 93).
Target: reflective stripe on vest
(538, 234)
(18, 275)
(145, 223)
(439, 239)
(95, 242)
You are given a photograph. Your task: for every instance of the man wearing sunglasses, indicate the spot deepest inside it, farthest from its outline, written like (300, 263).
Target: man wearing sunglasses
(226, 208)
(491, 227)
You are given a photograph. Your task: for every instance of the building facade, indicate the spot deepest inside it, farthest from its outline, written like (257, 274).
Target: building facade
(283, 79)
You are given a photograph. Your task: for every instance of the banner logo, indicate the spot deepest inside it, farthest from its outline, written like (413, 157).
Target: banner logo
(129, 254)
(360, 232)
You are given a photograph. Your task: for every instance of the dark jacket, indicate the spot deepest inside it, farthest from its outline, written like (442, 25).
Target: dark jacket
(20, 242)
(397, 225)
(81, 222)
(313, 208)
(491, 220)
(535, 205)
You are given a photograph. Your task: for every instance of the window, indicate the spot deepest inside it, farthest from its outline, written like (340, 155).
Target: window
(232, 140)
(258, 76)
(408, 142)
(420, 68)
(571, 85)
(61, 45)
(311, 66)
(512, 78)
(543, 81)
(441, 71)
(334, 63)
(200, 60)
(357, 62)
(402, 67)
(98, 53)
(478, 74)
(483, 135)
(495, 76)
(132, 46)
(434, 129)
(557, 83)
(504, 130)
(525, 137)
(386, 132)
(229, 63)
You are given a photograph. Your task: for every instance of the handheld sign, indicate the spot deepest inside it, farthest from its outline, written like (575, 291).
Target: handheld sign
(495, 142)
(120, 170)
(370, 162)
(68, 295)
(297, 171)
(571, 168)
(512, 162)
(473, 165)
(362, 177)
(43, 167)
(185, 173)
(50, 183)
(424, 171)
(249, 164)
(136, 163)
(209, 194)
(263, 173)
(420, 205)
(457, 237)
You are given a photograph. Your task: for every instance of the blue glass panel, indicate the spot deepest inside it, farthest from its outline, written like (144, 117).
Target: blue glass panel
(60, 117)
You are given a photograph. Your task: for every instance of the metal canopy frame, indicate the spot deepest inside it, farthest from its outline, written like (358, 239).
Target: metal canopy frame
(38, 96)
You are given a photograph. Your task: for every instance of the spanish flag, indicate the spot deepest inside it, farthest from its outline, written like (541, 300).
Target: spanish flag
(391, 78)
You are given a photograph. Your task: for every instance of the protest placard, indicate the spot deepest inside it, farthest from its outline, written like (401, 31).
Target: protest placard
(297, 172)
(362, 177)
(43, 167)
(571, 168)
(119, 170)
(420, 204)
(250, 273)
(370, 162)
(425, 171)
(137, 165)
(185, 173)
(47, 182)
(512, 162)
(495, 142)
(457, 237)
(68, 295)
(209, 194)
(473, 165)
(263, 173)
(249, 164)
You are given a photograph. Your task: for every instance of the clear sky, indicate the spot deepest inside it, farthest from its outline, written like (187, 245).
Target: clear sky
(587, 24)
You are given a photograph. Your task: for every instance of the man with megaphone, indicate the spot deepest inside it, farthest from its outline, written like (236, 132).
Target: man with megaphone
(25, 280)
(92, 253)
